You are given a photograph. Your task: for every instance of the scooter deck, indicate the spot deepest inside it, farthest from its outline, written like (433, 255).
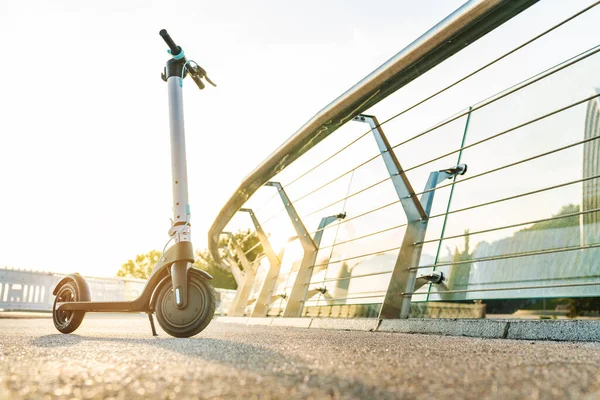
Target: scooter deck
(103, 306)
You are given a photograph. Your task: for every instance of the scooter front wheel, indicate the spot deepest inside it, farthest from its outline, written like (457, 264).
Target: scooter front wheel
(192, 319)
(67, 321)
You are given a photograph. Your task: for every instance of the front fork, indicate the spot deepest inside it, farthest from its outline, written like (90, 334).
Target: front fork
(179, 280)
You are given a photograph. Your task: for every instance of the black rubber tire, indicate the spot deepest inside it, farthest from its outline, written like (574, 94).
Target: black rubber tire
(67, 321)
(195, 317)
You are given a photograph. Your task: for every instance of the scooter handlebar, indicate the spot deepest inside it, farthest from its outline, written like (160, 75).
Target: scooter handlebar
(175, 50)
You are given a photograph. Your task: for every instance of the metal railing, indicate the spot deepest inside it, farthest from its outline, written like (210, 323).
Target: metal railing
(531, 150)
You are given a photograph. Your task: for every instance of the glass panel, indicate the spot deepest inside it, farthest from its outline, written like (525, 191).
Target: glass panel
(498, 210)
(543, 221)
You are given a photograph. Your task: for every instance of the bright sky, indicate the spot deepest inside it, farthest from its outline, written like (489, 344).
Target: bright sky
(84, 141)
(556, 91)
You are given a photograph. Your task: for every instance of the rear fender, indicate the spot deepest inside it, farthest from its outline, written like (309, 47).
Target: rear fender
(83, 289)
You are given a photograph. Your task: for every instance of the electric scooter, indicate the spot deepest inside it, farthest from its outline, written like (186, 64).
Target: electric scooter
(182, 296)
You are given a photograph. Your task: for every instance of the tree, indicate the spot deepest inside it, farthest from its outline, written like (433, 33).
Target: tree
(459, 273)
(222, 278)
(141, 267)
(143, 264)
(571, 220)
(248, 241)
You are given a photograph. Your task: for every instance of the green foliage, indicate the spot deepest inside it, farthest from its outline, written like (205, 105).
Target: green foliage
(141, 266)
(247, 240)
(583, 305)
(560, 222)
(222, 278)
(459, 273)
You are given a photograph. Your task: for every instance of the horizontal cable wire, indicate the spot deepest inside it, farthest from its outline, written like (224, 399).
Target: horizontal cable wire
(517, 196)
(537, 280)
(493, 99)
(266, 202)
(482, 104)
(540, 76)
(248, 236)
(253, 247)
(473, 109)
(471, 74)
(363, 237)
(467, 147)
(347, 298)
(482, 259)
(493, 62)
(335, 179)
(522, 85)
(511, 226)
(355, 257)
(508, 288)
(510, 256)
(442, 214)
(439, 292)
(557, 111)
(485, 173)
(349, 196)
(355, 293)
(328, 158)
(559, 149)
(272, 217)
(350, 277)
(359, 216)
(412, 107)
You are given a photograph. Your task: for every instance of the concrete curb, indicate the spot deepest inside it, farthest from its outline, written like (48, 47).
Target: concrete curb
(572, 331)
(452, 327)
(293, 322)
(358, 324)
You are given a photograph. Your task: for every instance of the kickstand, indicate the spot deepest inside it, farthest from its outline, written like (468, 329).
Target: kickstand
(152, 324)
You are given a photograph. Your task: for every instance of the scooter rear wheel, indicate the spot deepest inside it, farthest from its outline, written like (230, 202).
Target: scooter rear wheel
(195, 317)
(67, 321)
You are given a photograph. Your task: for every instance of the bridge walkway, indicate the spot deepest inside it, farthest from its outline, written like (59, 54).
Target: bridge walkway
(114, 356)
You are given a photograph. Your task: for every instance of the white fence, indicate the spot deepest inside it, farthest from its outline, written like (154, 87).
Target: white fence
(22, 290)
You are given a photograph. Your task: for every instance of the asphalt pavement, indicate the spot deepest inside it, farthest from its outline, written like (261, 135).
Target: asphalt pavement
(116, 357)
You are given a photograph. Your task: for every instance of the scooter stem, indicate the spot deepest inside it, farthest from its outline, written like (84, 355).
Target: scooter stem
(180, 229)
(176, 69)
(178, 161)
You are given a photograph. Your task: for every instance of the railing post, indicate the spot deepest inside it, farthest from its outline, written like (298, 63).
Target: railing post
(297, 296)
(238, 275)
(266, 292)
(402, 283)
(397, 303)
(238, 306)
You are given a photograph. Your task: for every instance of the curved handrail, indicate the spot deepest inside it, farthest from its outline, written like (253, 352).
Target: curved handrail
(468, 23)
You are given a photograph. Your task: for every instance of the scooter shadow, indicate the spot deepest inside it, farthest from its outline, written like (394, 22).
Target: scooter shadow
(239, 355)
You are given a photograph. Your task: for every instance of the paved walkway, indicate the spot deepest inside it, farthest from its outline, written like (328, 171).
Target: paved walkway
(116, 357)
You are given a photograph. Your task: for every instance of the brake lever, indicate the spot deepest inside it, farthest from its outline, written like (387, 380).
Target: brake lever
(197, 73)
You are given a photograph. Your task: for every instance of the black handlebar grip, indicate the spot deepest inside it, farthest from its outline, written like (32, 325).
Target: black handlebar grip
(175, 50)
